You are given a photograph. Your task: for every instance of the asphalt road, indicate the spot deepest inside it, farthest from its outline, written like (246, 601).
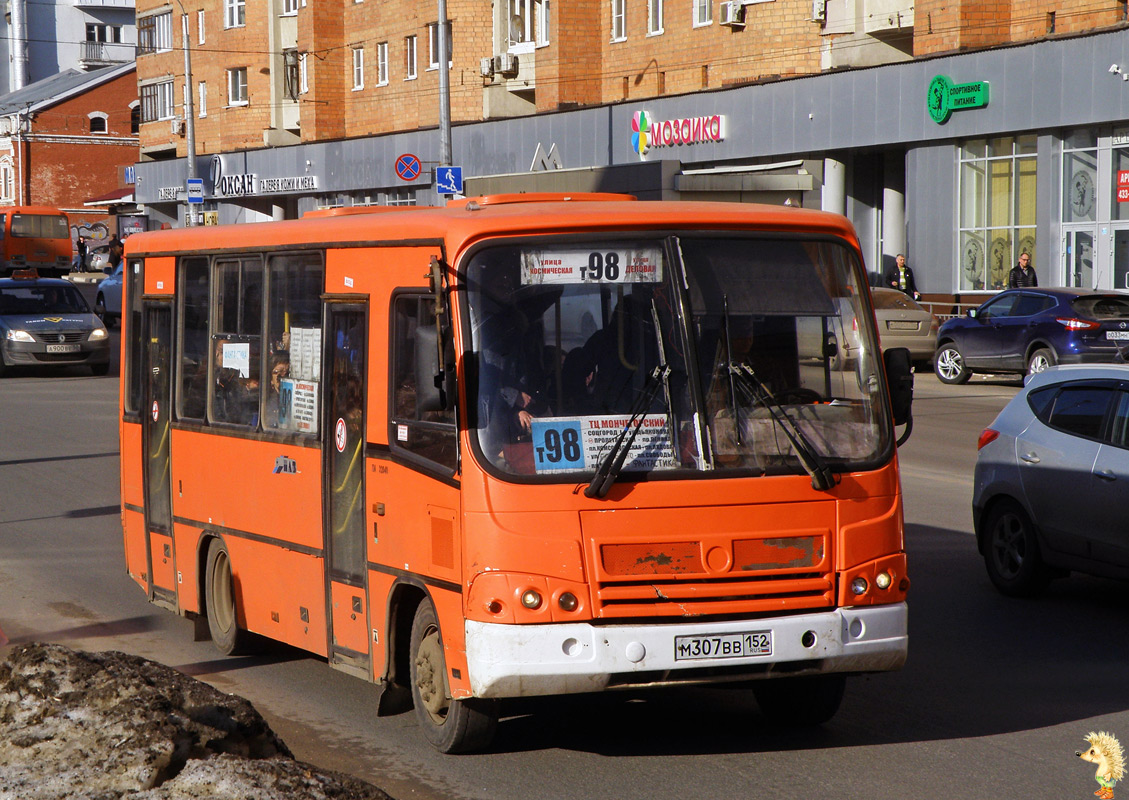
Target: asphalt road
(993, 703)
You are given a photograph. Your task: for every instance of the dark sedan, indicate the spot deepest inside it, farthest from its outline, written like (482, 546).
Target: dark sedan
(1027, 330)
(46, 322)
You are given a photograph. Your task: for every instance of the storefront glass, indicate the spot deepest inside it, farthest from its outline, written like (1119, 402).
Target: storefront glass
(997, 209)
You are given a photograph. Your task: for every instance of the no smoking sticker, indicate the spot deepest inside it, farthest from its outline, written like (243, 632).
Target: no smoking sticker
(339, 436)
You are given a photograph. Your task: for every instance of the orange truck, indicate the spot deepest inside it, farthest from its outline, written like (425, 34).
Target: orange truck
(521, 445)
(36, 237)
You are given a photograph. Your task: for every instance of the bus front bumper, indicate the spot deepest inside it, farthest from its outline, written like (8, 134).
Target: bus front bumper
(530, 660)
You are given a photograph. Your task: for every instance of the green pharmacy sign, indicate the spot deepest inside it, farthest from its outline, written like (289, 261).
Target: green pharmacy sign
(945, 97)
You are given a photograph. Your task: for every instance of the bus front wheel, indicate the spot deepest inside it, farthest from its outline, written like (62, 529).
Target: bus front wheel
(219, 594)
(452, 726)
(800, 702)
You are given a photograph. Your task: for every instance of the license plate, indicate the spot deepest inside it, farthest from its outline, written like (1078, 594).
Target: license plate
(63, 348)
(901, 325)
(1117, 335)
(724, 645)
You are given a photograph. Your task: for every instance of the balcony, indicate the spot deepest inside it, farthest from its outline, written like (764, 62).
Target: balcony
(93, 55)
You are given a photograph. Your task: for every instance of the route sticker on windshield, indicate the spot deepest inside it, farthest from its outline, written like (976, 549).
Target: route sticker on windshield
(574, 444)
(591, 266)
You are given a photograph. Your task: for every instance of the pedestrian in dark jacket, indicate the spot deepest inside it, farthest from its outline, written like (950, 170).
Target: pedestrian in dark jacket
(901, 277)
(1022, 274)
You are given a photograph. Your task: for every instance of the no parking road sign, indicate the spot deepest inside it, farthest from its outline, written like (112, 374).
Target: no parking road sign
(408, 167)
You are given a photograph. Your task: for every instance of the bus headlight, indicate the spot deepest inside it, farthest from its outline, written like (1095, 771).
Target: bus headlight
(859, 585)
(531, 599)
(19, 336)
(883, 580)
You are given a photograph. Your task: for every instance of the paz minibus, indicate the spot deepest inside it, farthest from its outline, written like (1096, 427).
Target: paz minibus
(521, 445)
(35, 236)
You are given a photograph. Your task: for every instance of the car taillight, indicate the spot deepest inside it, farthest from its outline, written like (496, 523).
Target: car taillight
(1075, 324)
(986, 437)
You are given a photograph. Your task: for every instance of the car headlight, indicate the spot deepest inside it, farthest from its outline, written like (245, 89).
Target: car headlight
(98, 334)
(19, 336)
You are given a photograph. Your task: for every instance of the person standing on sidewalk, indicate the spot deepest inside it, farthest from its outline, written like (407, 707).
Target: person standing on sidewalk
(1022, 275)
(900, 277)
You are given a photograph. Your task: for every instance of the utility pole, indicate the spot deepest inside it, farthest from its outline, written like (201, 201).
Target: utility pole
(444, 89)
(189, 120)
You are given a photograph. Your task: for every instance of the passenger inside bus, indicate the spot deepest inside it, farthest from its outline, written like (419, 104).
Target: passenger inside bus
(280, 368)
(236, 396)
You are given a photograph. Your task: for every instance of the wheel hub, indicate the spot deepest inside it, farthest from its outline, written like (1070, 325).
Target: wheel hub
(430, 675)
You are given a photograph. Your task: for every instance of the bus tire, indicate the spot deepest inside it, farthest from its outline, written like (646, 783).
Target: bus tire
(452, 726)
(800, 702)
(219, 595)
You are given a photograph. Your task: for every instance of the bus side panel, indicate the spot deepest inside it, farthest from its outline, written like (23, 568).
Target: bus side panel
(186, 539)
(379, 586)
(452, 626)
(160, 275)
(133, 527)
(231, 482)
(132, 465)
(281, 593)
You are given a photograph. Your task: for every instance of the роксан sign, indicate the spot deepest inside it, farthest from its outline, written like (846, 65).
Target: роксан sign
(944, 97)
(248, 183)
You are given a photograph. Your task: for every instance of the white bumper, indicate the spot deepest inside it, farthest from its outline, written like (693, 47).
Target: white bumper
(528, 660)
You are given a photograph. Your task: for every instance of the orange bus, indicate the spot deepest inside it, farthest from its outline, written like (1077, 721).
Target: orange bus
(521, 445)
(36, 236)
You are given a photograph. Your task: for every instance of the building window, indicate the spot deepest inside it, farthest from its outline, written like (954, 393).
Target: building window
(703, 12)
(528, 24)
(234, 13)
(997, 209)
(303, 73)
(154, 33)
(200, 26)
(135, 117)
(237, 87)
(619, 20)
(202, 101)
(157, 101)
(433, 45)
(654, 17)
(290, 73)
(98, 122)
(358, 68)
(289, 8)
(410, 58)
(110, 34)
(7, 179)
(382, 64)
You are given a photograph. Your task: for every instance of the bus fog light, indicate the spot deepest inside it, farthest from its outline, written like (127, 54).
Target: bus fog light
(494, 607)
(883, 580)
(859, 585)
(809, 639)
(531, 599)
(568, 601)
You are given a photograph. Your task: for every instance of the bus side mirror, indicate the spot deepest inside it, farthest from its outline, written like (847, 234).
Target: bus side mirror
(435, 385)
(899, 375)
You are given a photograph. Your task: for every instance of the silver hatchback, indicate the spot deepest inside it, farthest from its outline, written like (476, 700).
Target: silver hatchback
(1052, 480)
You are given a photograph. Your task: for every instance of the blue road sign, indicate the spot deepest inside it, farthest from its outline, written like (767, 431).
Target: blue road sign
(195, 190)
(449, 180)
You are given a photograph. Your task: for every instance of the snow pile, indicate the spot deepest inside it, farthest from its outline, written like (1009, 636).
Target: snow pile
(110, 725)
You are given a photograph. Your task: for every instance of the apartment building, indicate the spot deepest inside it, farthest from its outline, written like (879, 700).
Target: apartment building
(960, 132)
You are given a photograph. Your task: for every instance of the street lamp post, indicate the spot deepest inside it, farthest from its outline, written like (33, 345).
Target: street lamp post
(189, 120)
(444, 89)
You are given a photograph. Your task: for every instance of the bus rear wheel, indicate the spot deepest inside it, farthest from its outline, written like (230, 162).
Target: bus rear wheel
(452, 726)
(800, 702)
(219, 594)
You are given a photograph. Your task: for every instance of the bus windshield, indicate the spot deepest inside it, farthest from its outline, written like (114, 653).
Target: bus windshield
(750, 356)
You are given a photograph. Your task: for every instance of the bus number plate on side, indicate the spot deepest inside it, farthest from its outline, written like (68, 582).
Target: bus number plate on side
(725, 645)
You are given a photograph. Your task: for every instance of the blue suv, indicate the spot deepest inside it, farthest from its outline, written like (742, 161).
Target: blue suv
(1027, 330)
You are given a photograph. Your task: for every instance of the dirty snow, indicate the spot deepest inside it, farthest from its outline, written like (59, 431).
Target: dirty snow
(105, 726)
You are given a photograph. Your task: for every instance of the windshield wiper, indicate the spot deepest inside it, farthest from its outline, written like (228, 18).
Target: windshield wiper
(754, 390)
(612, 463)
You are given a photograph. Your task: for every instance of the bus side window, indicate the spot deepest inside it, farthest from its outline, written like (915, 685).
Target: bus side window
(236, 355)
(195, 293)
(415, 426)
(295, 283)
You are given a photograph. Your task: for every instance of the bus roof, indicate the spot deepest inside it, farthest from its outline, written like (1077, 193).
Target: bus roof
(464, 222)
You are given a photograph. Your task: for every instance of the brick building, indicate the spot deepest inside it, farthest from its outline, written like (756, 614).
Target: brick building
(67, 138)
(957, 131)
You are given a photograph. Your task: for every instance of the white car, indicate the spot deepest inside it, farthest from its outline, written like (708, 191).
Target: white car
(108, 303)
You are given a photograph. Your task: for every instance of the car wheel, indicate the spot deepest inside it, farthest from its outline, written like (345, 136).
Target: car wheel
(1011, 551)
(219, 594)
(1040, 360)
(452, 726)
(949, 366)
(800, 702)
(100, 310)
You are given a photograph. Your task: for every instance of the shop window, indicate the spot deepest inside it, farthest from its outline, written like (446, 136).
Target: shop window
(290, 400)
(997, 210)
(236, 341)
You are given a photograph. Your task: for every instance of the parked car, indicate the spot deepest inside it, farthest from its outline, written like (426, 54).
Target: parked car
(1028, 330)
(46, 322)
(902, 322)
(1050, 479)
(98, 257)
(108, 301)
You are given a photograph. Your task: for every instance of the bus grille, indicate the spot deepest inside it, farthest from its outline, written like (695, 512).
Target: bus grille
(686, 598)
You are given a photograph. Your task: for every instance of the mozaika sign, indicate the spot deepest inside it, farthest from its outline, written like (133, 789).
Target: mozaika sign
(944, 97)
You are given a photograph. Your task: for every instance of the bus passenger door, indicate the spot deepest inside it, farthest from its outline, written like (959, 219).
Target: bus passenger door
(155, 432)
(344, 442)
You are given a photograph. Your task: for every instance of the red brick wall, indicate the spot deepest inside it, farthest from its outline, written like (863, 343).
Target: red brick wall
(942, 26)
